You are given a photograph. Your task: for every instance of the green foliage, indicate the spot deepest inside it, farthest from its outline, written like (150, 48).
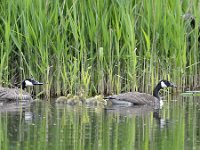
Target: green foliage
(96, 46)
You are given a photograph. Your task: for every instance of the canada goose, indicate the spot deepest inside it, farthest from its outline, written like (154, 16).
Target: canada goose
(136, 98)
(12, 94)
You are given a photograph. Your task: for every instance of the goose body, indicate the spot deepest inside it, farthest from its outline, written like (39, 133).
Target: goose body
(137, 98)
(13, 94)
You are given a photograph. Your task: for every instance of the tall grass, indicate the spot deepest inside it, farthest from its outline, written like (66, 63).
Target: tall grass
(92, 47)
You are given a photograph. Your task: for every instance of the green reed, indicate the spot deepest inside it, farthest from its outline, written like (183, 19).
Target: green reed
(92, 47)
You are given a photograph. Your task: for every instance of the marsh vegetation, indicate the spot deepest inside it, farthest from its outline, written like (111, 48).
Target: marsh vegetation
(98, 47)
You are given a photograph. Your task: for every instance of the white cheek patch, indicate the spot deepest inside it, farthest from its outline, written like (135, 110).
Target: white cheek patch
(163, 85)
(28, 83)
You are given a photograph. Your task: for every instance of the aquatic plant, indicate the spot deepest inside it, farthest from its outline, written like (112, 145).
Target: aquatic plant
(97, 46)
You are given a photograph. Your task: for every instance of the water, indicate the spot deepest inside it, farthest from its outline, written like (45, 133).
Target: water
(46, 125)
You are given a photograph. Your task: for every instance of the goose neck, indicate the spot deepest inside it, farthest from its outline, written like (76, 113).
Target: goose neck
(156, 91)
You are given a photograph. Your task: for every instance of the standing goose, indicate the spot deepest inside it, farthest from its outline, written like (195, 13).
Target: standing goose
(13, 94)
(136, 98)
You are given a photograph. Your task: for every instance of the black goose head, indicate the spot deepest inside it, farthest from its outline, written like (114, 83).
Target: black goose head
(162, 84)
(30, 82)
(165, 83)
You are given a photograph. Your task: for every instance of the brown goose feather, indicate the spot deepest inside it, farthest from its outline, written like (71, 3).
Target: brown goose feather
(135, 98)
(14, 94)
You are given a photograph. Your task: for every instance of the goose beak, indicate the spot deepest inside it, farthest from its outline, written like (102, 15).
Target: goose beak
(37, 82)
(173, 85)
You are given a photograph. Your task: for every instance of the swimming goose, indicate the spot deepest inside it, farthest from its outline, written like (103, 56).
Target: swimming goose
(137, 98)
(12, 94)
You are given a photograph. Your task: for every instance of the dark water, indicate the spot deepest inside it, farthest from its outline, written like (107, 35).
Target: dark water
(46, 125)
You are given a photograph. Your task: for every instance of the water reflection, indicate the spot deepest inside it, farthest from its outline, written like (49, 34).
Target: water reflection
(45, 125)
